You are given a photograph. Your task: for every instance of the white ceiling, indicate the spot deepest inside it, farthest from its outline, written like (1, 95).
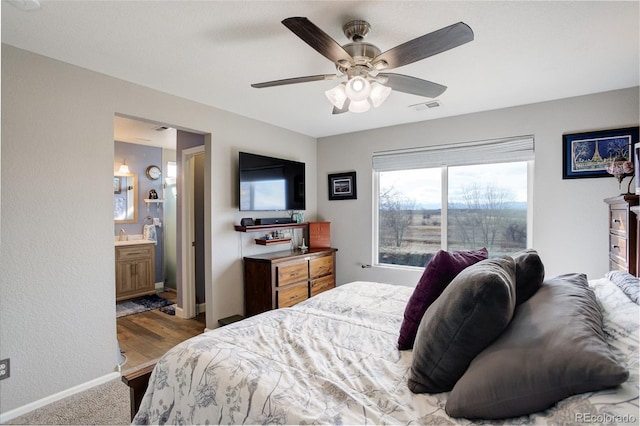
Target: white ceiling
(211, 51)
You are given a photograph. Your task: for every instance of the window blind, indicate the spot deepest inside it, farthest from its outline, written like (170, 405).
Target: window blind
(505, 150)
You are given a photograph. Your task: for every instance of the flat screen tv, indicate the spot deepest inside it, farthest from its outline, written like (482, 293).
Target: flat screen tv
(270, 184)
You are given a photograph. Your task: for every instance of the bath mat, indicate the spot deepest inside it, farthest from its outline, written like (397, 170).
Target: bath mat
(140, 304)
(169, 310)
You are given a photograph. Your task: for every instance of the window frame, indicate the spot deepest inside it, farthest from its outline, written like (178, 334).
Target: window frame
(445, 195)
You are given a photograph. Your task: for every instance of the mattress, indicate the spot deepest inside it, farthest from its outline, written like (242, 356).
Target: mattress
(333, 359)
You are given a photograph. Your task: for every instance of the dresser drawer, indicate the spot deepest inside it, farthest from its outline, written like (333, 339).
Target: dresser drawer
(294, 273)
(322, 284)
(618, 249)
(290, 296)
(141, 251)
(614, 266)
(618, 222)
(320, 266)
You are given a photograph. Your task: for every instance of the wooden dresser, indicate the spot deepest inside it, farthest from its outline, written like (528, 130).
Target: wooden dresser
(623, 234)
(281, 279)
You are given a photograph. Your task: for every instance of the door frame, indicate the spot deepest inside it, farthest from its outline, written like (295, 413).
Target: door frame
(188, 284)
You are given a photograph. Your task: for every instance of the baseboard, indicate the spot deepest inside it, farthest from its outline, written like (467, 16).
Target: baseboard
(17, 412)
(200, 308)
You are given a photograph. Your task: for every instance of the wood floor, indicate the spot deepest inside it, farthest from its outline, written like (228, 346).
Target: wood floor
(147, 336)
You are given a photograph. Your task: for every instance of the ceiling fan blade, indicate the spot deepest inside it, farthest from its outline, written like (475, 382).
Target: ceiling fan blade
(295, 80)
(413, 85)
(427, 45)
(318, 39)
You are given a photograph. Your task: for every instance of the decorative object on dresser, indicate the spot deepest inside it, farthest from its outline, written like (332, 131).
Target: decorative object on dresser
(319, 234)
(623, 234)
(620, 168)
(284, 278)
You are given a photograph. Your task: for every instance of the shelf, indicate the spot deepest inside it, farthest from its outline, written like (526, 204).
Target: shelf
(259, 228)
(157, 202)
(265, 242)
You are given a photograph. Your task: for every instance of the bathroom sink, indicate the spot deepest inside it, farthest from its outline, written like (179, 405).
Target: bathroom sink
(132, 242)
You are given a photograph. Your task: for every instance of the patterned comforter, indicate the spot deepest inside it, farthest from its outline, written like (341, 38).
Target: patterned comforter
(333, 359)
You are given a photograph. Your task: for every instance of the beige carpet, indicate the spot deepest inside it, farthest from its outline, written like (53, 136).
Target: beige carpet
(106, 404)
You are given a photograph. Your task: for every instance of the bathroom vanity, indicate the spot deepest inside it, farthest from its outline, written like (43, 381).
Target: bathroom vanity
(135, 268)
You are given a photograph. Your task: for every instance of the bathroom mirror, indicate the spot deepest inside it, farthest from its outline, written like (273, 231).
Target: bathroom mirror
(125, 198)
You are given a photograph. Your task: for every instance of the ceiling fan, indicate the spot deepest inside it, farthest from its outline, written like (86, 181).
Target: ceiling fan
(365, 66)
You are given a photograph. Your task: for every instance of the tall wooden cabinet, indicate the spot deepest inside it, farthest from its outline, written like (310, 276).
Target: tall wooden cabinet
(284, 278)
(135, 271)
(623, 234)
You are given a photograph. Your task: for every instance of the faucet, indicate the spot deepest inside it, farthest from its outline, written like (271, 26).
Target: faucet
(122, 235)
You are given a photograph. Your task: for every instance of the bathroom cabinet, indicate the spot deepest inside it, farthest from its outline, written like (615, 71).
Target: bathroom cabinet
(135, 270)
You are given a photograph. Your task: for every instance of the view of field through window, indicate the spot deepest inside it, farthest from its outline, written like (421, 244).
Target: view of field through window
(486, 206)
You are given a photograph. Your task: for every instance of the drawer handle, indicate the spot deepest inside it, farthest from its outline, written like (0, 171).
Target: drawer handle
(616, 221)
(615, 247)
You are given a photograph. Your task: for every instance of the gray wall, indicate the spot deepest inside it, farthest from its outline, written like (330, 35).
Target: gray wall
(569, 216)
(57, 309)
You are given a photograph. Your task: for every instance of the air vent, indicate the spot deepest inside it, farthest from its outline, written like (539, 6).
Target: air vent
(26, 4)
(426, 105)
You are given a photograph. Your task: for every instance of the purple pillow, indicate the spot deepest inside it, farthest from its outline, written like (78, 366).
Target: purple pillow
(437, 275)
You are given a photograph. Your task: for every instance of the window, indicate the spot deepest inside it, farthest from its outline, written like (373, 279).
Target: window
(457, 197)
(171, 178)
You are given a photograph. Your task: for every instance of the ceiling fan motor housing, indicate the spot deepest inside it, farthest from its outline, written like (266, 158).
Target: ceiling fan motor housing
(356, 30)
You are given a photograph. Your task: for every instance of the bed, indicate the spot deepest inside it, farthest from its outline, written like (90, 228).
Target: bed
(334, 359)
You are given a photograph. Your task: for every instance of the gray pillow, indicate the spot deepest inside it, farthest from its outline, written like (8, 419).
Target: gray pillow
(469, 314)
(529, 274)
(554, 348)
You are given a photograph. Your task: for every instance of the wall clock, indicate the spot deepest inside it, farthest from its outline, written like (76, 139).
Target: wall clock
(153, 172)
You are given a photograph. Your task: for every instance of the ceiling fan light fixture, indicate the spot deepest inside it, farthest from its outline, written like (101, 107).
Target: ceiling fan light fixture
(337, 96)
(379, 93)
(359, 106)
(358, 89)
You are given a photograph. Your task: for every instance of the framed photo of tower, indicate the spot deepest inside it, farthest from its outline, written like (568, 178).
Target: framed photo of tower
(585, 155)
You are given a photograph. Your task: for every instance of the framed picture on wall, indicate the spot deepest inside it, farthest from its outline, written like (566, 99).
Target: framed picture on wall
(342, 186)
(585, 155)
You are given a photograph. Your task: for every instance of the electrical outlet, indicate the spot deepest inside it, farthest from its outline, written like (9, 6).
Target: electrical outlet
(4, 369)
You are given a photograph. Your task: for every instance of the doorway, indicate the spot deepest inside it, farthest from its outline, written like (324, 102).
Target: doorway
(190, 292)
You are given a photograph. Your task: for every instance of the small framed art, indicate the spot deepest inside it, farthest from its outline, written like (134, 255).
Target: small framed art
(342, 186)
(585, 155)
